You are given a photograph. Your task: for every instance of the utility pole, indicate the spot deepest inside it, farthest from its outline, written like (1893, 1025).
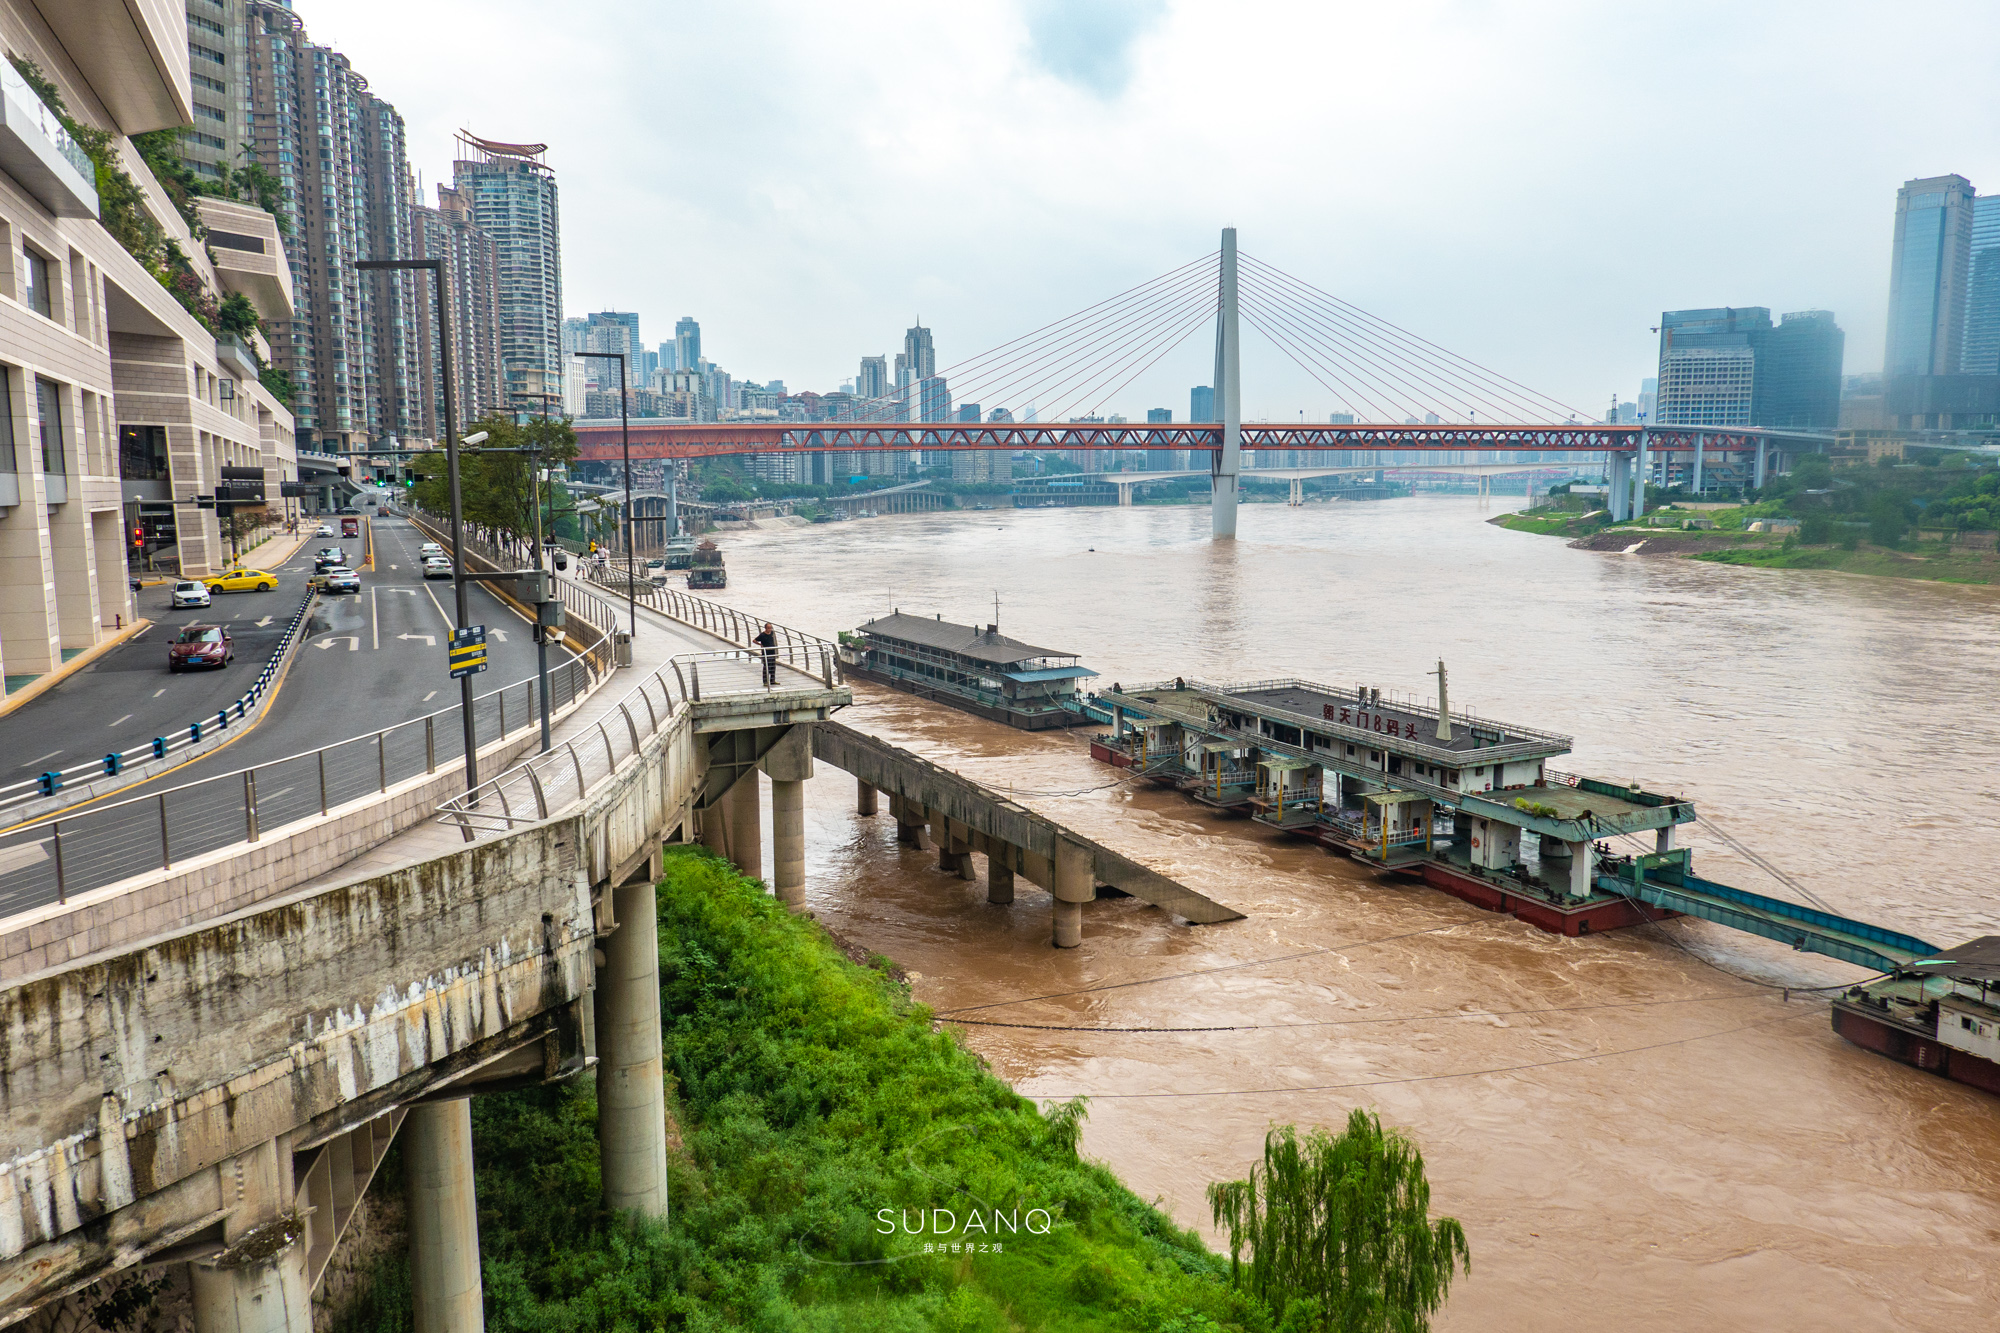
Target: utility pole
(1228, 395)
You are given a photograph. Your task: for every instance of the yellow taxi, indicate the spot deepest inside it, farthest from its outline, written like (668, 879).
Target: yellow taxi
(242, 580)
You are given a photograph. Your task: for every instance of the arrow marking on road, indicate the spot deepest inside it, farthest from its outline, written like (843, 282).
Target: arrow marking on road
(407, 592)
(265, 621)
(497, 634)
(430, 640)
(353, 642)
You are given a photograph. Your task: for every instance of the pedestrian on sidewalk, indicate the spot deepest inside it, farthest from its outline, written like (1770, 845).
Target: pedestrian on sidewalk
(767, 648)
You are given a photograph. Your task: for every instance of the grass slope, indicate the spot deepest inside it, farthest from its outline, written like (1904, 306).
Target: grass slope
(811, 1094)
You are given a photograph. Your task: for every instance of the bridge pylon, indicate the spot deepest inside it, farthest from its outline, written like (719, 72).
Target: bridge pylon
(1228, 394)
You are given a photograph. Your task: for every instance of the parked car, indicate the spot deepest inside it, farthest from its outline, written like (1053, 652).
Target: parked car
(437, 567)
(325, 530)
(338, 579)
(242, 580)
(190, 593)
(200, 646)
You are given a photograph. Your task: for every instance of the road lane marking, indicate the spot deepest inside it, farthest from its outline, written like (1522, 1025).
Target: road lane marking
(158, 693)
(374, 623)
(122, 721)
(428, 697)
(353, 642)
(430, 640)
(262, 623)
(439, 605)
(50, 755)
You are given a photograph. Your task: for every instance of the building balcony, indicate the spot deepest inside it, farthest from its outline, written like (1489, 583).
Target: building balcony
(249, 255)
(39, 153)
(133, 53)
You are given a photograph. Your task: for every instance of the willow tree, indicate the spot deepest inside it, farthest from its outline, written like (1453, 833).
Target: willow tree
(1338, 1231)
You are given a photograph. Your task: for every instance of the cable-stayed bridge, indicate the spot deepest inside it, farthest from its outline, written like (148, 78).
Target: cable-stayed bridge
(1046, 390)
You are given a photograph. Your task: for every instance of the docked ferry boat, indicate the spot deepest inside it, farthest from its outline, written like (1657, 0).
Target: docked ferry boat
(979, 670)
(1940, 1013)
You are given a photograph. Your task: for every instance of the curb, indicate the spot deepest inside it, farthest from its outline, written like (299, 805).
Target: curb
(42, 684)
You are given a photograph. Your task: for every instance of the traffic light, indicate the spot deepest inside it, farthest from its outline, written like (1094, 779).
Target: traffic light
(138, 538)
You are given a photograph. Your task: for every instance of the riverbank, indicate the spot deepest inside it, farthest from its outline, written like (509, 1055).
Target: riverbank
(1934, 562)
(840, 1163)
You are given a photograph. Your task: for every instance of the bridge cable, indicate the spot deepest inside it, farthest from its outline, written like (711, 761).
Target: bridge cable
(1484, 372)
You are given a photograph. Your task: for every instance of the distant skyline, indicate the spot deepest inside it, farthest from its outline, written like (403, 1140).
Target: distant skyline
(1528, 185)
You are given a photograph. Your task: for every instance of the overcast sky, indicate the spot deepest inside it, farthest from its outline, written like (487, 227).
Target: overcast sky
(1526, 184)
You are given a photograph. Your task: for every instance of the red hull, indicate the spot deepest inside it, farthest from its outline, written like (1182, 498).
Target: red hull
(1912, 1048)
(1584, 919)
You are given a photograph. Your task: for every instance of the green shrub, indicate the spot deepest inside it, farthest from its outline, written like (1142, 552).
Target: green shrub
(811, 1094)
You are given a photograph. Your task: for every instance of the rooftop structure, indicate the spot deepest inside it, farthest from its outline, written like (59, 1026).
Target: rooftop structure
(980, 670)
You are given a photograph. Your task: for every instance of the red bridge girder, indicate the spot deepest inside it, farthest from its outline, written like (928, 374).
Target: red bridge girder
(652, 439)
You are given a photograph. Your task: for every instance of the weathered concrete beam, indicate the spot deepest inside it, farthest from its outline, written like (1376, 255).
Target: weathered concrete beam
(127, 1081)
(1024, 840)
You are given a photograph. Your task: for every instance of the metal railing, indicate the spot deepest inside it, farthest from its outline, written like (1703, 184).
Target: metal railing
(16, 794)
(599, 614)
(796, 649)
(546, 784)
(52, 859)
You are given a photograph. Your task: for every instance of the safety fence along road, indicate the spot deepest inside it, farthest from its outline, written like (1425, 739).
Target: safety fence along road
(131, 765)
(546, 784)
(54, 859)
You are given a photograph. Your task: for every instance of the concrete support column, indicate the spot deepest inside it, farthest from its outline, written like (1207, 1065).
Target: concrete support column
(864, 798)
(1075, 885)
(631, 1090)
(1700, 450)
(258, 1283)
(788, 843)
(1663, 839)
(1582, 869)
(746, 826)
(1228, 395)
(999, 881)
(909, 826)
(233, 1294)
(1762, 455)
(443, 1219)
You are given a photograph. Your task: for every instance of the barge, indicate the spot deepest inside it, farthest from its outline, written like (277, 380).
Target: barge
(705, 568)
(981, 671)
(1467, 805)
(1940, 1014)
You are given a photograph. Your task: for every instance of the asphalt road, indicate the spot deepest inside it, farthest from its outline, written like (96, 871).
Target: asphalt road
(368, 662)
(127, 696)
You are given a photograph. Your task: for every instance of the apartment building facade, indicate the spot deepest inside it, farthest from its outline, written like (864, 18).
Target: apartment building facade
(120, 412)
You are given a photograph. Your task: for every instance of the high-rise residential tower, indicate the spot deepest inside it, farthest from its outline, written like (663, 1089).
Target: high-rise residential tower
(872, 383)
(1928, 269)
(471, 279)
(514, 200)
(1201, 403)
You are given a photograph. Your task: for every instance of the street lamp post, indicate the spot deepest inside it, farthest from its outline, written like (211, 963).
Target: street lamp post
(541, 630)
(625, 426)
(436, 268)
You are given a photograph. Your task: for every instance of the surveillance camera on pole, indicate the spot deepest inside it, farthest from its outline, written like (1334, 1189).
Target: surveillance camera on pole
(477, 437)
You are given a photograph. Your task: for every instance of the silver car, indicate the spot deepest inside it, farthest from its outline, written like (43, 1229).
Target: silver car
(341, 580)
(189, 593)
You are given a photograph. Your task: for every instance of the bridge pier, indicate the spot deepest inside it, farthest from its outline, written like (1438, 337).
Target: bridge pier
(732, 828)
(1073, 885)
(954, 852)
(864, 797)
(909, 823)
(443, 1219)
(999, 880)
(631, 1094)
(258, 1283)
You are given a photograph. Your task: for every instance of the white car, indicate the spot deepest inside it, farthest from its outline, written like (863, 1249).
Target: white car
(437, 567)
(189, 593)
(341, 580)
(429, 551)
(325, 530)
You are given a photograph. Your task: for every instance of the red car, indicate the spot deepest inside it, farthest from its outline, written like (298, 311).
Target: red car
(200, 646)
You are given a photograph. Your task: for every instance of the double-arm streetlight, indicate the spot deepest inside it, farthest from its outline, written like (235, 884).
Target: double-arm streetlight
(451, 443)
(625, 424)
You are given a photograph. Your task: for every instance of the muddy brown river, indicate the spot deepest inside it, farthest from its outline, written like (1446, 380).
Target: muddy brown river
(1639, 1131)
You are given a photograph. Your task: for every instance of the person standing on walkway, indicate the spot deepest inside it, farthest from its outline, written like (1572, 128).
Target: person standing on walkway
(767, 648)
